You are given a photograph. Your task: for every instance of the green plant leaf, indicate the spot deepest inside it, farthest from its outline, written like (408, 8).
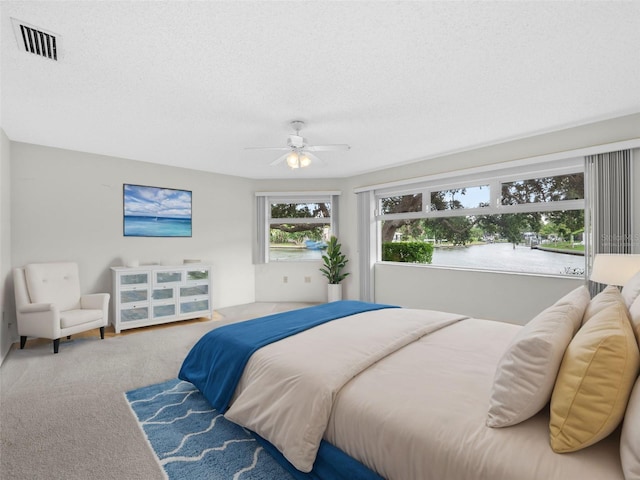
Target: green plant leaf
(334, 261)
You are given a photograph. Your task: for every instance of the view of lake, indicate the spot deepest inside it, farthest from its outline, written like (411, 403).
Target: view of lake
(502, 256)
(294, 254)
(494, 256)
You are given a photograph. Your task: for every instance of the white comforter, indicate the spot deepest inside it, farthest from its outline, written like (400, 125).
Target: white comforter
(287, 391)
(416, 414)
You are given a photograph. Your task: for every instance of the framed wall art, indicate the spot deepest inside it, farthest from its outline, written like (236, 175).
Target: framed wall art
(156, 212)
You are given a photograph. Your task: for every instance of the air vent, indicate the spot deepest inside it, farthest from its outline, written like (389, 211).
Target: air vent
(36, 40)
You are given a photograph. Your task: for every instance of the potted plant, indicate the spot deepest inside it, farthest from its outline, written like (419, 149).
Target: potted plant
(334, 263)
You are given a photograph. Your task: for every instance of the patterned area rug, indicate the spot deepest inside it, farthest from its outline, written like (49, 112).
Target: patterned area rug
(192, 440)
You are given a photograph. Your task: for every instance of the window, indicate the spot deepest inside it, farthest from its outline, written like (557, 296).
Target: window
(547, 189)
(518, 220)
(469, 197)
(402, 203)
(299, 231)
(295, 226)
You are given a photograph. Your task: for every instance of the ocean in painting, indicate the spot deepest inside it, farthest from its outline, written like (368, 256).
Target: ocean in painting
(138, 226)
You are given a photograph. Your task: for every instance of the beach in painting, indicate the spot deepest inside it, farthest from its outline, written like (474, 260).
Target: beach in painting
(137, 226)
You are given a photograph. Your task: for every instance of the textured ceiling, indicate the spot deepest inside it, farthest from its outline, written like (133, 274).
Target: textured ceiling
(193, 83)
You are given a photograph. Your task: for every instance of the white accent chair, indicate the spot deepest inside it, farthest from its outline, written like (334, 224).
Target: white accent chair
(49, 303)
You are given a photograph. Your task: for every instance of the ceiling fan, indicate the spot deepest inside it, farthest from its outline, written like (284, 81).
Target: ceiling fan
(299, 153)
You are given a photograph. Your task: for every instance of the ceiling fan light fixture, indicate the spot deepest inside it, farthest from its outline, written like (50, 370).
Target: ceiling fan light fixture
(299, 154)
(293, 160)
(305, 161)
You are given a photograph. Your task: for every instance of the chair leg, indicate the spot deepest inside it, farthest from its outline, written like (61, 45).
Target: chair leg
(23, 340)
(56, 345)
(101, 333)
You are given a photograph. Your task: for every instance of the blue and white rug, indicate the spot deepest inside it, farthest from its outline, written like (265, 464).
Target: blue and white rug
(193, 441)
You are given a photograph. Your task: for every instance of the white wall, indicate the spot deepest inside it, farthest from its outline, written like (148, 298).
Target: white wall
(304, 282)
(609, 131)
(7, 319)
(511, 298)
(67, 205)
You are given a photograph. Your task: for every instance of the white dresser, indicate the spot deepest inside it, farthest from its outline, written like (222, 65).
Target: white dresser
(154, 294)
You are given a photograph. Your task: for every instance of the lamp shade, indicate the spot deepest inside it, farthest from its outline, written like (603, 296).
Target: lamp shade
(305, 161)
(293, 160)
(614, 268)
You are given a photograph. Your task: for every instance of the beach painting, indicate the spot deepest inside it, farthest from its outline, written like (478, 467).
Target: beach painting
(156, 212)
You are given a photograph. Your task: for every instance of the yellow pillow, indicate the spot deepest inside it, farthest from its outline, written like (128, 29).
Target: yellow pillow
(609, 296)
(596, 376)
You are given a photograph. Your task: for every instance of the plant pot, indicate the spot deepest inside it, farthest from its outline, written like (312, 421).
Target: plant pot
(334, 292)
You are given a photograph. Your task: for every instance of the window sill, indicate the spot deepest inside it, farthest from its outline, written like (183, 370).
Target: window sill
(483, 270)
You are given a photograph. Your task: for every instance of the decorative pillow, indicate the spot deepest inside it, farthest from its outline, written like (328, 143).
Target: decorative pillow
(634, 312)
(595, 380)
(609, 296)
(631, 290)
(527, 371)
(630, 437)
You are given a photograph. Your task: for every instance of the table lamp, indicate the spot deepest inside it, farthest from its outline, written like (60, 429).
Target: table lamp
(614, 268)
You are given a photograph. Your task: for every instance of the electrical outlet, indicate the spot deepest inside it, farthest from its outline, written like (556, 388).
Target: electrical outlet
(307, 279)
(285, 279)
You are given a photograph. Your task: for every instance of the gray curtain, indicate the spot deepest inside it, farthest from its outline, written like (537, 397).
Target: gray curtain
(261, 239)
(366, 245)
(609, 203)
(335, 215)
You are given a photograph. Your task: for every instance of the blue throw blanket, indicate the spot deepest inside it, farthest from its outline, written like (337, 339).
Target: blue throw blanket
(215, 364)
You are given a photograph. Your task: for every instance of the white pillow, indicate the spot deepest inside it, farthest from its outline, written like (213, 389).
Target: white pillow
(527, 371)
(630, 437)
(631, 290)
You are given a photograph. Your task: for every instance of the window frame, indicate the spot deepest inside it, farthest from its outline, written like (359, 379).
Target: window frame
(494, 179)
(494, 182)
(264, 219)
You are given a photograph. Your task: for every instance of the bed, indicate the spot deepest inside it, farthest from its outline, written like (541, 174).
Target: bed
(419, 394)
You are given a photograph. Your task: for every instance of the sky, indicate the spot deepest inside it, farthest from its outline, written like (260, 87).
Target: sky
(156, 202)
(473, 196)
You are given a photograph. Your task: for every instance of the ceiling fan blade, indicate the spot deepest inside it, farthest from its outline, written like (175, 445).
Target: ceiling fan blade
(279, 160)
(268, 148)
(327, 148)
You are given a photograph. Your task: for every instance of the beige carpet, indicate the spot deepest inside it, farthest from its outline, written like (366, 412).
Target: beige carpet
(64, 416)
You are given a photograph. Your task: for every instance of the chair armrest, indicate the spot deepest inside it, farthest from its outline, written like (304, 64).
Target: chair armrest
(39, 320)
(37, 308)
(95, 301)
